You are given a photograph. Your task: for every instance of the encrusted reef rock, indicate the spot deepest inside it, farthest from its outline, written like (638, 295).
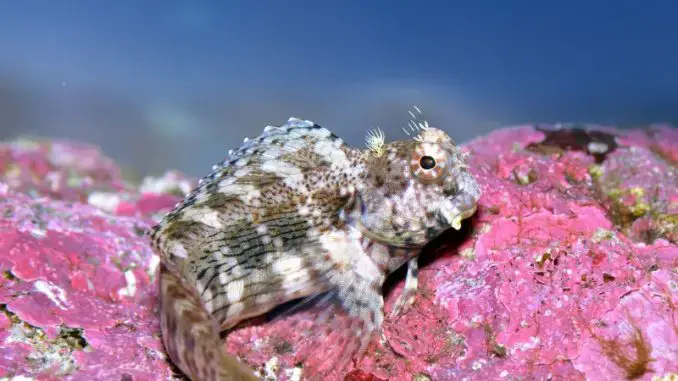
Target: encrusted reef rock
(568, 271)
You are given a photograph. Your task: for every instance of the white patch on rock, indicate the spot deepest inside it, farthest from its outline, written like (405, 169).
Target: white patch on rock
(478, 364)
(104, 200)
(270, 368)
(39, 232)
(17, 378)
(131, 287)
(55, 293)
(165, 184)
(293, 374)
(598, 147)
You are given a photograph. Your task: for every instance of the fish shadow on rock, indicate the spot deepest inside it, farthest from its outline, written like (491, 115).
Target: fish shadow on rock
(447, 243)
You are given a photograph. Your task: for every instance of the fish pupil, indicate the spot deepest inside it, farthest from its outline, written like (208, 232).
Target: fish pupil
(427, 162)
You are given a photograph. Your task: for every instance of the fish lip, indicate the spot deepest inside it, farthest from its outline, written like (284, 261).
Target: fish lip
(453, 216)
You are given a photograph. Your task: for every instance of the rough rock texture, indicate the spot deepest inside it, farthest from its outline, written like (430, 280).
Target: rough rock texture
(569, 270)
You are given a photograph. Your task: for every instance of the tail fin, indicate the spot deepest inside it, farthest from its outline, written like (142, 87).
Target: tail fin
(191, 336)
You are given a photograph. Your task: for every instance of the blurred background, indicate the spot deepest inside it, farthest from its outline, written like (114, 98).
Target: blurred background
(176, 83)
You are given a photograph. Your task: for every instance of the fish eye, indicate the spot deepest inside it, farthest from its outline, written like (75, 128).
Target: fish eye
(428, 162)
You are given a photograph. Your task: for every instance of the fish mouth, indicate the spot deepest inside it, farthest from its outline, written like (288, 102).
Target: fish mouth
(453, 214)
(384, 239)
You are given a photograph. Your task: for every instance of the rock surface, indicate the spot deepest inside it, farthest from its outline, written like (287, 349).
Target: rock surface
(569, 270)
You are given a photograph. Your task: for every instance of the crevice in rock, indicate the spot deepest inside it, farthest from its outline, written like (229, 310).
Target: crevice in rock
(8, 275)
(575, 138)
(47, 354)
(72, 337)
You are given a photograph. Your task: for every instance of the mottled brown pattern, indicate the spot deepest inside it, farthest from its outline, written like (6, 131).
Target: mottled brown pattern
(304, 157)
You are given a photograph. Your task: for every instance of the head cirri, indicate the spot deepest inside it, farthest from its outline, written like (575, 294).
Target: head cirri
(415, 189)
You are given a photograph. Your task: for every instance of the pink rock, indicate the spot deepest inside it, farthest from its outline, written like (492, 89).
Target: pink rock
(566, 272)
(59, 169)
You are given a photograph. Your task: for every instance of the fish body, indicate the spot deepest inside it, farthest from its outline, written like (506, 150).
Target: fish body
(296, 212)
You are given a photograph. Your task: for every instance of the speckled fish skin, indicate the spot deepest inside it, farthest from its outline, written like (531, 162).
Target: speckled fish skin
(296, 212)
